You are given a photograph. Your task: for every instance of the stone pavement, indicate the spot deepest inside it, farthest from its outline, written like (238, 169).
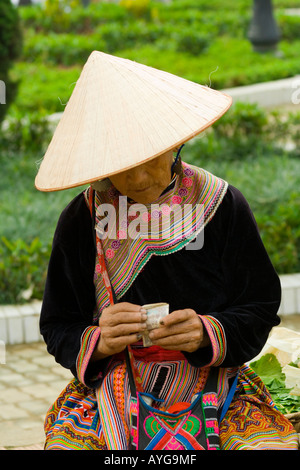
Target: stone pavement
(30, 380)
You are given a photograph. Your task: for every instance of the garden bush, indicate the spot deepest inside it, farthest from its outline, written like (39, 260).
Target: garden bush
(289, 26)
(49, 90)
(10, 48)
(26, 133)
(23, 269)
(281, 234)
(248, 131)
(70, 49)
(79, 20)
(202, 41)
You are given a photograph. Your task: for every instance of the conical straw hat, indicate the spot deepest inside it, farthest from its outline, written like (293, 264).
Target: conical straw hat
(121, 114)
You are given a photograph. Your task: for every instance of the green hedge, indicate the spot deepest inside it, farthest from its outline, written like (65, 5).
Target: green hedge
(289, 26)
(10, 48)
(23, 270)
(202, 41)
(45, 85)
(78, 20)
(246, 147)
(70, 49)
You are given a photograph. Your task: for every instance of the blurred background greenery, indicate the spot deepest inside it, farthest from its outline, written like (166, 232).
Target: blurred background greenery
(42, 50)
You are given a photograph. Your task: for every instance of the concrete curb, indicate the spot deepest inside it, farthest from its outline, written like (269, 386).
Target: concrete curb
(290, 301)
(19, 324)
(269, 94)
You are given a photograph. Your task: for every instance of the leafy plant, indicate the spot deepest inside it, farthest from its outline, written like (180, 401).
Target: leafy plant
(138, 8)
(10, 48)
(30, 132)
(22, 270)
(269, 370)
(281, 234)
(193, 42)
(60, 11)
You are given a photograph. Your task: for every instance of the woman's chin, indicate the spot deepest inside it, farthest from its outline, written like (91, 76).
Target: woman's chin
(145, 197)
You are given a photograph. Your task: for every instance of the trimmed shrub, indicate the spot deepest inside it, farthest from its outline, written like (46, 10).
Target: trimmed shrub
(10, 49)
(23, 269)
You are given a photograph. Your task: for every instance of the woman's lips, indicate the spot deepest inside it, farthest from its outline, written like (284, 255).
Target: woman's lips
(141, 190)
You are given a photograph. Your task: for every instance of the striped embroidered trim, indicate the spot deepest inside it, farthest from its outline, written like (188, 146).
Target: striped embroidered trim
(217, 338)
(89, 340)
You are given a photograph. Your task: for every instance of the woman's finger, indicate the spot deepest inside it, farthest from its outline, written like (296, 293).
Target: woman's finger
(182, 342)
(122, 313)
(126, 329)
(178, 316)
(123, 307)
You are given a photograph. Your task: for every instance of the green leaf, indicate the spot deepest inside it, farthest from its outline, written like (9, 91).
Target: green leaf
(268, 368)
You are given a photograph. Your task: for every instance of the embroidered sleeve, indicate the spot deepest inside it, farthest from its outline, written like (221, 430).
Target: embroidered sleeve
(214, 354)
(217, 338)
(87, 373)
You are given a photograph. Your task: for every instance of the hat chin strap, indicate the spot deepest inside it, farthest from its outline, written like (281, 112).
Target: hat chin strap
(176, 165)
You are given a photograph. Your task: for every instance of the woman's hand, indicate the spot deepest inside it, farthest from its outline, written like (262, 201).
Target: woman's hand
(182, 330)
(121, 324)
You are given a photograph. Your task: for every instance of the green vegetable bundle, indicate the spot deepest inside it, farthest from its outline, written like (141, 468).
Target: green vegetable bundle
(270, 371)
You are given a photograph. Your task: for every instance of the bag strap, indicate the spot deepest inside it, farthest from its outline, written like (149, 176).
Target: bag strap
(108, 285)
(131, 378)
(229, 397)
(132, 373)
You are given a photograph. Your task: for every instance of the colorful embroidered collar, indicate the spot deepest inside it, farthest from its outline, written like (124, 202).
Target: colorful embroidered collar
(134, 232)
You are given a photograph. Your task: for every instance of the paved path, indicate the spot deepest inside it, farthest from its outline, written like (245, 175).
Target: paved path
(30, 380)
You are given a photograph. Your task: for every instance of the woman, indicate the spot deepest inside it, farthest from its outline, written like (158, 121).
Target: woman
(107, 263)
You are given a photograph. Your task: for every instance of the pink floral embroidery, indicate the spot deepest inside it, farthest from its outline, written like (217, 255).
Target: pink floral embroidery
(98, 268)
(166, 209)
(109, 253)
(122, 234)
(188, 182)
(146, 216)
(176, 200)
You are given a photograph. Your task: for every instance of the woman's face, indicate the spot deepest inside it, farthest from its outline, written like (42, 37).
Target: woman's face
(145, 183)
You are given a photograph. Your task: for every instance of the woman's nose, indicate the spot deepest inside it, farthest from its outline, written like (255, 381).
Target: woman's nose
(138, 175)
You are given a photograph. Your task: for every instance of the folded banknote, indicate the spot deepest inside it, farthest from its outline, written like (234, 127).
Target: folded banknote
(155, 313)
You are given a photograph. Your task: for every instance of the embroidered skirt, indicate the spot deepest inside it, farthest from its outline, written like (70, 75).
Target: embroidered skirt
(86, 419)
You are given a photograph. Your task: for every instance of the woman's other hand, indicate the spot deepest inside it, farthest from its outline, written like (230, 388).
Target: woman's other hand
(182, 330)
